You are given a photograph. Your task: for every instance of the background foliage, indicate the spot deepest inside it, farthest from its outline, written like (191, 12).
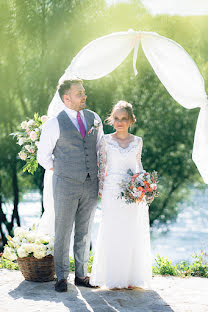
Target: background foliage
(38, 40)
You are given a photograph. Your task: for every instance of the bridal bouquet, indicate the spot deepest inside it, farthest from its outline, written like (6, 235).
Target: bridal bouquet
(26, 243)
(28, 138)
(139, 186)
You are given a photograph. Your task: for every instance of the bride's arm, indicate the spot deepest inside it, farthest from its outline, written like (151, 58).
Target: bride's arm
(139, 166)
(102, 164)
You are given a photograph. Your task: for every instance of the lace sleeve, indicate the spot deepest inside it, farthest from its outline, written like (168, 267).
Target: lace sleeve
(102, 164)
(139, 166)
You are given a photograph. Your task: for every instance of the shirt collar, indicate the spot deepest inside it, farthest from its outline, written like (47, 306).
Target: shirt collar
(72, 112)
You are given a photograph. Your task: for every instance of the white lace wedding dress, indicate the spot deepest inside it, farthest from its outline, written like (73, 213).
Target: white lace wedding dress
(122, 256)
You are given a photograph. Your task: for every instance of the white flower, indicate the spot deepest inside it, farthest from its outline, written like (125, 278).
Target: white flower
(37, 130)
(31, 237)
(27, 147)
(21, 141)
(42, 239)
(39, 251)
(29, 247)
(31, 123)
(9, 254)
(16, 241)
(20, 232)
(96, 123)
(22, 155)
(153, 186)
(37, 143)
(33, 135)
(22, 252)
(24, 124)
(50, 249)
(44, 118)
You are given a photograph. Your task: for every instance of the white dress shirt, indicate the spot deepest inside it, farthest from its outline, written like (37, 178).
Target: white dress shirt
(51, 132)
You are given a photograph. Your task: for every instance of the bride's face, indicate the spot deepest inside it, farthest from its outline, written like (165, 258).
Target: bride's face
(121, 121)
(76, 97)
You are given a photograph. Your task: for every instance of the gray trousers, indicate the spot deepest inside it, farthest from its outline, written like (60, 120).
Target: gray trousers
(74, 202)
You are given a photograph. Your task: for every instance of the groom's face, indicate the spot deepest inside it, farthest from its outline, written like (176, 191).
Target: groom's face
(75, 97)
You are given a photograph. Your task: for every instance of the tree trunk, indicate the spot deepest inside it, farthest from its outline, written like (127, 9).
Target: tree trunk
(15, 214)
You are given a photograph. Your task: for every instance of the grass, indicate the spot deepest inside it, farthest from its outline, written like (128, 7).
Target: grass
(198, 267)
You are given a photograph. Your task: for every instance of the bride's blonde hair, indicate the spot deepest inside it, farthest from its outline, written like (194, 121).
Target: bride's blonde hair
(121, 105)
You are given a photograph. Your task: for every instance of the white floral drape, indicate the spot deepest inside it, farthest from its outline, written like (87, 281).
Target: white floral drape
(171, 63)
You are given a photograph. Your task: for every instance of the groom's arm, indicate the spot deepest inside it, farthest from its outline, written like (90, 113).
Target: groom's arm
(49, 136)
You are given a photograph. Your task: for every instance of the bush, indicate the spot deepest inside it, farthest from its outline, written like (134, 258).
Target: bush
(164, 267)
(199, 267)
(7, 264)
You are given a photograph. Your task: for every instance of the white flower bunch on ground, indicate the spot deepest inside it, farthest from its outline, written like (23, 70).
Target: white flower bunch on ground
(26, 243)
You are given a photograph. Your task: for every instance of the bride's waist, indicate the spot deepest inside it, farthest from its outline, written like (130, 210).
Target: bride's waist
(115, 179)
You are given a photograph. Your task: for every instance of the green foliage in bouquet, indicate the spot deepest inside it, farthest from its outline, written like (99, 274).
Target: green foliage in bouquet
(28, 136)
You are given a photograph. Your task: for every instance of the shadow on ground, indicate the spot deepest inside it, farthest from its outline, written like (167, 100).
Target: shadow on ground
(80, 299)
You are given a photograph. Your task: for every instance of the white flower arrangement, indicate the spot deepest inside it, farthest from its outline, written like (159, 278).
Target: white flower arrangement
(26, 243)
(28, 136)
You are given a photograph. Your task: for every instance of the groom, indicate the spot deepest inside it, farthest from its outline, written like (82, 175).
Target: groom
(69, 148)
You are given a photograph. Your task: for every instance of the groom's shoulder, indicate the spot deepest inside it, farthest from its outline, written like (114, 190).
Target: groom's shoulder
(94, 113)
(89, 111)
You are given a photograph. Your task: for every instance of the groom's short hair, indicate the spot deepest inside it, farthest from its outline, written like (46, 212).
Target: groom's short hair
(64, 87)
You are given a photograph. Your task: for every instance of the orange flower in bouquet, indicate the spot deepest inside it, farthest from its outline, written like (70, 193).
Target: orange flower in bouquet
(140, 186)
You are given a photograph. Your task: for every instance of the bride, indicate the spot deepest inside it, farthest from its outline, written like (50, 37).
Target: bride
(122, 257)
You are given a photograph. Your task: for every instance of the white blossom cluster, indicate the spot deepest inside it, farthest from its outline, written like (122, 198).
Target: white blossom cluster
(26, 243)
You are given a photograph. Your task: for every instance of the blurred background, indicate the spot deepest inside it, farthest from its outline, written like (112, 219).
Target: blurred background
(38, 40)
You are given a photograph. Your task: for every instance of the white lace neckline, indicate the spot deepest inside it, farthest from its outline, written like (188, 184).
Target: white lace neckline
(119, 146)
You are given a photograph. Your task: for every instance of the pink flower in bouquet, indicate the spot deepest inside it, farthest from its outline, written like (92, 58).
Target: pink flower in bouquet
(153, 186)
(134, 177)
(44, 118)
(33, 135)
(31, 150)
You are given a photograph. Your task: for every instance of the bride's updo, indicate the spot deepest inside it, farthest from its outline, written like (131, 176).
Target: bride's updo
(121, 105)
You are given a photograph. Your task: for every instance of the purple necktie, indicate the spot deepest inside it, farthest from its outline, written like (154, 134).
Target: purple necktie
(81, 125)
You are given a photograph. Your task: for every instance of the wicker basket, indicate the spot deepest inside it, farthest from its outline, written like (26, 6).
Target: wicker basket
(37, 270)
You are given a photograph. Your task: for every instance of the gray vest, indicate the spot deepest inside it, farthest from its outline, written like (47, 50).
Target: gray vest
(75, 157)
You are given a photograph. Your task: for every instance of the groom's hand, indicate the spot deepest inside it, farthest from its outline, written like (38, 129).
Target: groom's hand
(51, 169)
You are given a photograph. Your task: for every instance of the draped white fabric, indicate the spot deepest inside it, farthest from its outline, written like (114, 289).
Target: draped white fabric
(172, 64)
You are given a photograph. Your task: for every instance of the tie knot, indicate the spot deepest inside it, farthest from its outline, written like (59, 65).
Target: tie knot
(78, 114)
